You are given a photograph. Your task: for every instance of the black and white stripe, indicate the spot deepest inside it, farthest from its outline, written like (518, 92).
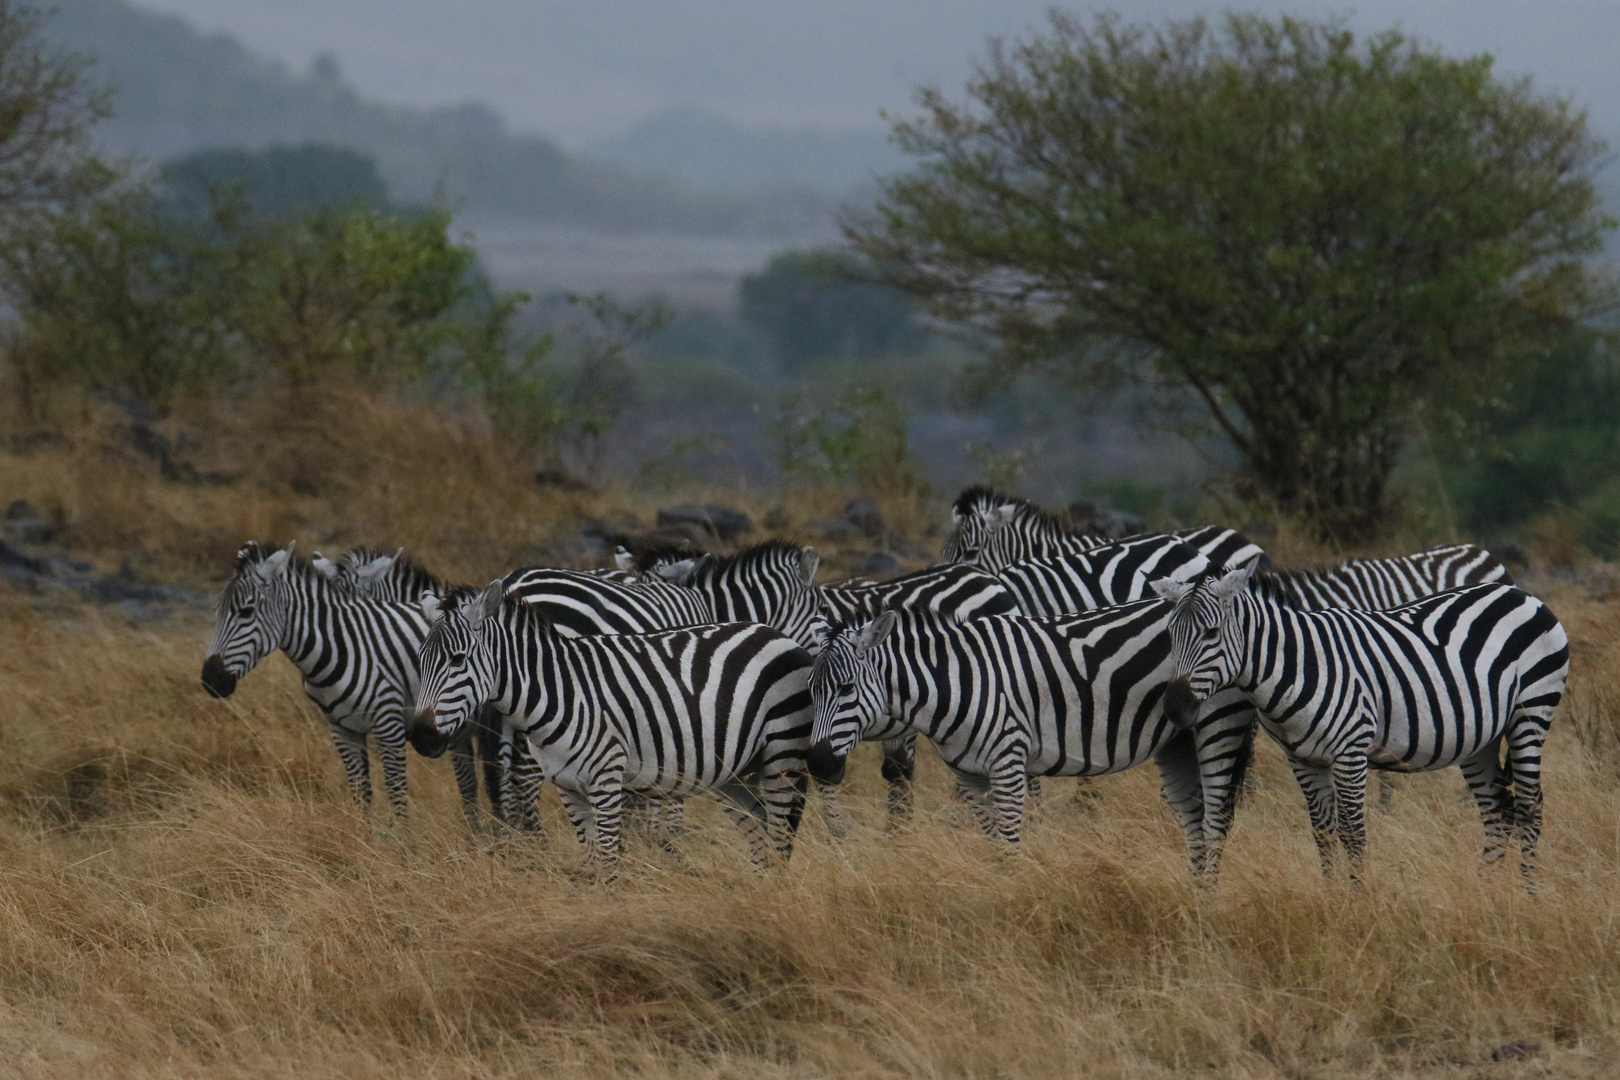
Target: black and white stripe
(772, 583)
(1007, 697)
(954, 591)
(1376, 584)
(358, 655)
(1450, 679)
(665, 714)
(993, 531)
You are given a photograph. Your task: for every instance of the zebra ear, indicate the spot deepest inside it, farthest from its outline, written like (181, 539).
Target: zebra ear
(324, 566)
(622, 559)
(873, 633)
(1002, 515)
(430, 606)
(809, 561)
(374, 569)
(1234, 581)
(489, 602)
(1170, 589)
(274, 565)
(679, 573)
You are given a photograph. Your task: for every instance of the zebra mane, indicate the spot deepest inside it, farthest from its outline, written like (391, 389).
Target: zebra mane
(253, 553)
(759, 553)
(413, 579)
(663, 552)
(981, 499)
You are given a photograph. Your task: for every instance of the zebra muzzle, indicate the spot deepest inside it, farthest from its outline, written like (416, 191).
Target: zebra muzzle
(425, 737)
(216, 679)
(1180, 706)
(825, 766)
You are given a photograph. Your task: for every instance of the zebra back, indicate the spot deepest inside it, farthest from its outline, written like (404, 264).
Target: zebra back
(1376, 584)
(771, 583)
(1114, 573)
(580, 603)
(955, 590)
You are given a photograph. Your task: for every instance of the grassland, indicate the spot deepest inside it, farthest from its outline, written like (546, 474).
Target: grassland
(185, 889)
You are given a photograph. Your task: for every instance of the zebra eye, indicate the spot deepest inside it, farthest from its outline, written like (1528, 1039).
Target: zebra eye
(1212, 633)
(458, 658)
(847, 688)
(246, 610)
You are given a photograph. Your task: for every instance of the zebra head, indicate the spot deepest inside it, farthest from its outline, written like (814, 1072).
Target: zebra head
(1204, 652)
(847, 693)
(458, 668)
(974, 514)
(250, 618)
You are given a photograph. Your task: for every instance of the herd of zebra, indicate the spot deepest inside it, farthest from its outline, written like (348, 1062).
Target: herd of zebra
(1031, 651)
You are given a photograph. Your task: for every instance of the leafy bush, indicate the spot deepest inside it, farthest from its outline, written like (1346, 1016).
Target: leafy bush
(827, 305)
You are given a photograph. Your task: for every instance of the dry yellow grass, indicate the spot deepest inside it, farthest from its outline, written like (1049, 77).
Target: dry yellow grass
(185, 889)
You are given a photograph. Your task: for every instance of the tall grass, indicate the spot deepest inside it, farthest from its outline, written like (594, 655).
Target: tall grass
(186, 890)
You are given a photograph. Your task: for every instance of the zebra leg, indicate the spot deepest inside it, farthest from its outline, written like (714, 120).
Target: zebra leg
(390, 736)
(783, 795)
(1316, 781)
(899, 769)
(1386, 788)
(521, 794)
(1225, 750)
(461, 759)
(1182, 789)
(1350, 797)
(1032, 786)
(1009, 787)
(743, 806)
(580, 813)
(1483, 773)
(832, 813)
(1526, 735)
(607, 804)
(975, 791)
(351, 750)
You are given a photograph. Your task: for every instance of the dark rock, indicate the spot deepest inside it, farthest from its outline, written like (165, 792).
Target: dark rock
(1096, 519)
(1517, 1050)
(865, 516)
(27, 525)
(776, 519)
(561, 479)
(27, 442)
(717, 522)
(834, 530)
(879, 565)
(13, 562)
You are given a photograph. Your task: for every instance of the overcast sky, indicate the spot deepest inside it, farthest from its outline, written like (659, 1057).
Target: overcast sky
(582, 70)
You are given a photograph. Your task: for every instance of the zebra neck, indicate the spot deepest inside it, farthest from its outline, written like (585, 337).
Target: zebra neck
(1270, 641)
(533, 676)
(313, 624)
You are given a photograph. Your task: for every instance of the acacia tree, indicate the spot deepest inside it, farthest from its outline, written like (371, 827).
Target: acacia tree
(1317, 236)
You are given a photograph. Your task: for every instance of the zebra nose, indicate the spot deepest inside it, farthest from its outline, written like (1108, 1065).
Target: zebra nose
(824, 765)
(216, 679)
(1180, 706)
(424, 735)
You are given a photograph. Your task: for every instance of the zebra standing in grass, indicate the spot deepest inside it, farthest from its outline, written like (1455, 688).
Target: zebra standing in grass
(1007, 697)
(666, 714)
(358, 655)
(509, 768)
(992, 531)
(951, 591)
(1448, 680)
(773, 583)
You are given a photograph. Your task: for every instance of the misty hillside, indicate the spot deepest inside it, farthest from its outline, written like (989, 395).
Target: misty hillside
(178, 89)
(703, 149)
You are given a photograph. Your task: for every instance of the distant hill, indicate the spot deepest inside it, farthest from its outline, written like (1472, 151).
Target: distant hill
(179, 90)
(711, 151)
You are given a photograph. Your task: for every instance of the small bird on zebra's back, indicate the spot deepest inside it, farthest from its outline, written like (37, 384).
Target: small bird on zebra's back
(1468, 677)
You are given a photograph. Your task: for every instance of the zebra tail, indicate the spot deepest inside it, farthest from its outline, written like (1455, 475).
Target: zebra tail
(1240, 768)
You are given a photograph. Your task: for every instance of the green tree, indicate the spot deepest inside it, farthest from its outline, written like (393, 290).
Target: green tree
(279, 182)
(1318, 237)
(827, 305)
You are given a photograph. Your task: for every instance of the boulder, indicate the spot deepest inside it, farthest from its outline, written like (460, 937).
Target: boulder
(715, 522)
(865, 516)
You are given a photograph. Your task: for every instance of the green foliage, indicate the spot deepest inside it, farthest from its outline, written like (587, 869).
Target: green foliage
(827, 305)
(114, 299)
(1551, 444)
(281, 183)
(857, 437)
(355, 291)
(1318, 237)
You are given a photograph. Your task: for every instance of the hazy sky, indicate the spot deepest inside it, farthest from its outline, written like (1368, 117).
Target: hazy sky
(587, 69)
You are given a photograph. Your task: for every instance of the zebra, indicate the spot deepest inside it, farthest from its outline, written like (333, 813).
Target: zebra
(772, 583)
(358, 656)
(667, 714)
(954, 590)
(1376, 584)
(506, 760)
(1007, 697)
(993, 530)
(1446, 680)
